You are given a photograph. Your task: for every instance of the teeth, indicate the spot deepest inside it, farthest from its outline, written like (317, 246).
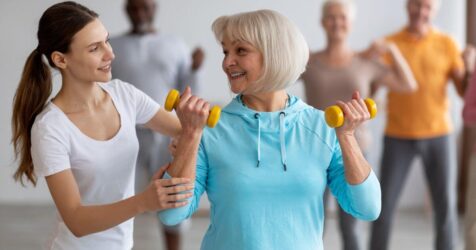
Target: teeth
(105, 67)
(237, 74)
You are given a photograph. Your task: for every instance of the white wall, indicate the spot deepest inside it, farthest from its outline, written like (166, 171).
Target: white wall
(191, 20)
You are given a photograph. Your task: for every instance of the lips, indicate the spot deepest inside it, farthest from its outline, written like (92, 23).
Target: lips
(235, 75)
(105, 68)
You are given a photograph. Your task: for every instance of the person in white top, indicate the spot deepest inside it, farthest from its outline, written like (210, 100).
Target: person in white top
(154, 62)
(84, 141)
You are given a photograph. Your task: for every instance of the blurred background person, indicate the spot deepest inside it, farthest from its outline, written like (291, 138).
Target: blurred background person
(154, 63)
(335, 72)
(418, 123)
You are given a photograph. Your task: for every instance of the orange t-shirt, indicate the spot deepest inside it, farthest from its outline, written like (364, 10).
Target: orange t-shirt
(424, 113)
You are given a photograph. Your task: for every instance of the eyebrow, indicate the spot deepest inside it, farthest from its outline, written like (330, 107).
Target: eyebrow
(95, 43)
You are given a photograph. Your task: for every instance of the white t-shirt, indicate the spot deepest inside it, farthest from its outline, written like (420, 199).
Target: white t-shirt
(103, 170)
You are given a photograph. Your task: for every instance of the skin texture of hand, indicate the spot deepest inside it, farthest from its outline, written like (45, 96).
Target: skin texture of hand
(355, 113)
(166, 193)
(192, 112)
(198, 57)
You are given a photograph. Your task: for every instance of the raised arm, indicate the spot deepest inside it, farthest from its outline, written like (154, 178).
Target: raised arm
(354, 184)
(400, 77)
(165, 123)
(462, 75)
(357, 169)
(192, 112)
(82, 220)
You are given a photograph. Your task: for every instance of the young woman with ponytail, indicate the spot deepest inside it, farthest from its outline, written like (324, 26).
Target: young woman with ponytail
(83, 140)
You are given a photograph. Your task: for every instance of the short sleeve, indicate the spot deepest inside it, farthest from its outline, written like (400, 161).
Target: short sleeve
(49, 150)
(454, 55)
(145, 106)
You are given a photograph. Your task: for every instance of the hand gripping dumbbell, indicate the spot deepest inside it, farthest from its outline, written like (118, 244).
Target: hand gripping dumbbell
(173, 98)
(335, 115)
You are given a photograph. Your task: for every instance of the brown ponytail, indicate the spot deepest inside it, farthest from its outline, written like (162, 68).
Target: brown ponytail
(57, 26)
(30, 98)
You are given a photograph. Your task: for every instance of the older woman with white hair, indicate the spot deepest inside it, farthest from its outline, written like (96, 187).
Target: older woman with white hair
(336, 71)
(266, 164)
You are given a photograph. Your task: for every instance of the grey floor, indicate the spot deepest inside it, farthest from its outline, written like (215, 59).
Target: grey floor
(27, 227)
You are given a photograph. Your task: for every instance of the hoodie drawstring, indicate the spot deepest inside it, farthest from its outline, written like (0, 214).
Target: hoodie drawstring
(259, 139)
(282, 139)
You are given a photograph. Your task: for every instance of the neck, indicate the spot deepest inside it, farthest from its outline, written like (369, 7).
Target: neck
(418, 30)
(266, 102)
(143, 31)
(79, 96)
(337, 48)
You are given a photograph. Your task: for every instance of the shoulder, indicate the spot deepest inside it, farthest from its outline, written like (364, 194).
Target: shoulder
(118, 87)
(370, 63)
(313, 121)
(52, 122)
(445, 38)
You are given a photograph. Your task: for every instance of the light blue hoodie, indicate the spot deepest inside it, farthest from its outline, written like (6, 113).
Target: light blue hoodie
(265, 174)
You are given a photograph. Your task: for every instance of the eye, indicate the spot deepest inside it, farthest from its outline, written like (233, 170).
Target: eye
(241, 51)
(225, 52)
(93, 49)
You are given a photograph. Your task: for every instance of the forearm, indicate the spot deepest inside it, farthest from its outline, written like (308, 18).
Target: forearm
(165, 123)
(85, 220)
(184, 162)
(402, 70)
(357, 169)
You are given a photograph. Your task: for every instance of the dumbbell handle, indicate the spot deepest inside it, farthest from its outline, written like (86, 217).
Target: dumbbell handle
(335, 116)
(173, 98)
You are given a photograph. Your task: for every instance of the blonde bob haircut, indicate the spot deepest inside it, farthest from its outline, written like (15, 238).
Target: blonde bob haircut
(285, 51)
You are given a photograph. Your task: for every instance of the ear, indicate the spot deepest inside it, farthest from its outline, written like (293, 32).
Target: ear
(58, 59)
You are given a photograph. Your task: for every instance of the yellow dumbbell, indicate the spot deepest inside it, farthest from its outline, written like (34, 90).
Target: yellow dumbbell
(335, 116)
(173, 98)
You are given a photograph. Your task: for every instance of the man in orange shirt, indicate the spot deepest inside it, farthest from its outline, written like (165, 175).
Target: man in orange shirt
(418, 123)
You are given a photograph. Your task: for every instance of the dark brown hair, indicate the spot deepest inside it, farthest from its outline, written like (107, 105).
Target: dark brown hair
(56, 29)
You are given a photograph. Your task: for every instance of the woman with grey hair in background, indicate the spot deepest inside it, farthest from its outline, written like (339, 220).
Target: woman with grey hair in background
(266, 164)
(335, 72)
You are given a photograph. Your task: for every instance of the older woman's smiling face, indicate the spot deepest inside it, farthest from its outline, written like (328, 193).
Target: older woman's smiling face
(242, 63)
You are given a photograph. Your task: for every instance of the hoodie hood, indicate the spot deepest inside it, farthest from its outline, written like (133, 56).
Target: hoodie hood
(268, 122)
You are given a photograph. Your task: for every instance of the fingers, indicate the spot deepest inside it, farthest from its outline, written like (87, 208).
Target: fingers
(174, 204)
(173, 182)
(178, 189)
(355, 111)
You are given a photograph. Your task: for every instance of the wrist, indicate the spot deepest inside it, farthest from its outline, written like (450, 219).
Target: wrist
(140, 203)
(345, 135)
(191, 133)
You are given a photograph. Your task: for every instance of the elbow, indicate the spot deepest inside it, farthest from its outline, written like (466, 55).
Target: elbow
(373, 212)
(169, 220)
(411, 87)
(76, 230)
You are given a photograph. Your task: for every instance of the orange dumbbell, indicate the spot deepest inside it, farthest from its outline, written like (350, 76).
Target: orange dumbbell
(335, 115)
(173, 98)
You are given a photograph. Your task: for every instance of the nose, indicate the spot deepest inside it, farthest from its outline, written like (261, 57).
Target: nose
(228, 61)
(109, 55)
